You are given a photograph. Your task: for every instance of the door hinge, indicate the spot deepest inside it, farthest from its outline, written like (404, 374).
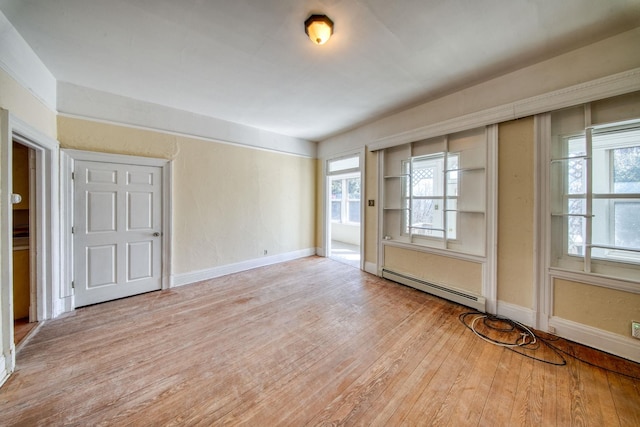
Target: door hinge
(73, 284)
(73, 230)
(73, 175)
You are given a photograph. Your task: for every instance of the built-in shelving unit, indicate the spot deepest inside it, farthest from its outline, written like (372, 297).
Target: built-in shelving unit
(460, 196)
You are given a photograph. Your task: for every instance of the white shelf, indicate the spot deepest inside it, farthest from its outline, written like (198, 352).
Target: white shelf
(464, 170)
(466, 211)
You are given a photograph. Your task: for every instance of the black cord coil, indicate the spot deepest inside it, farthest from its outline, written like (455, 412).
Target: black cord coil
(520, 339)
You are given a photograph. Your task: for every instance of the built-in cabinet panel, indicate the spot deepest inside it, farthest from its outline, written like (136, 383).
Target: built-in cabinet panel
(20, 283)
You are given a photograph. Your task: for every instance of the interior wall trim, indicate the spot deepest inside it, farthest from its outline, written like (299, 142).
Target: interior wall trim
(371, 268)
(521, 314)
(4, 373)
(597, 338)
(605, 87)
(182, 279)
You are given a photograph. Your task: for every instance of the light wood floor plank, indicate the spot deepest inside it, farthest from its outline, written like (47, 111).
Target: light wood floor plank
(308, 342)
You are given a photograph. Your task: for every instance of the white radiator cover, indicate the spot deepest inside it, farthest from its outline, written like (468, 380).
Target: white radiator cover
(440, 290)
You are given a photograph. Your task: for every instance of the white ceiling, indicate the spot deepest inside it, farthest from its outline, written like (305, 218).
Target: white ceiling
(249, 61)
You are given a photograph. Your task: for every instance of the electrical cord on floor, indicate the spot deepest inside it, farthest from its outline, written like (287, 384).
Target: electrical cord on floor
(525, 340)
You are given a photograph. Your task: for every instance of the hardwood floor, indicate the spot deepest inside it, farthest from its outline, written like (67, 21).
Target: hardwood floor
(307, 342)
(21, 329)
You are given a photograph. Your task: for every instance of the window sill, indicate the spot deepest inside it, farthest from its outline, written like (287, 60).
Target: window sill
(596, 279)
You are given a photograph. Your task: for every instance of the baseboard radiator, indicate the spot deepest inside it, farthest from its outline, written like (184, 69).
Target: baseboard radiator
(443, 291)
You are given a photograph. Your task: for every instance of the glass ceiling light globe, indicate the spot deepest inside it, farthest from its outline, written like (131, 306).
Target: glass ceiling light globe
(319, 28)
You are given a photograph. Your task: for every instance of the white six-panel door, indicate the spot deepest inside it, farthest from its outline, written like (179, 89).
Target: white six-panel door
(117, 231)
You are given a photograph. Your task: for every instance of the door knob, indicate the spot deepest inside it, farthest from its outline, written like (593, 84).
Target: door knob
(156, 234)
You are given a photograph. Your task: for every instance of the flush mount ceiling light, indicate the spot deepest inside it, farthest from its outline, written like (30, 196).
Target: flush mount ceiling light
(319, 28)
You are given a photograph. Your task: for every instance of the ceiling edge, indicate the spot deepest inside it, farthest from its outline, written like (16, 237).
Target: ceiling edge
(86, 103)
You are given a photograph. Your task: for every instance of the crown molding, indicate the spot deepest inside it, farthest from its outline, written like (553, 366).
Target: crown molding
(20, 62)
(616, 84)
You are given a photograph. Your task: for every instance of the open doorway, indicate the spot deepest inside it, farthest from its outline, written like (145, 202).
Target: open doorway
(344, 234)
(46, 295)
(24, 242)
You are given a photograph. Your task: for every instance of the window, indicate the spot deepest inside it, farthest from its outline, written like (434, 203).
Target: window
(345, 199)
(615, 196)
(595, 185)
(430, 213)
(434, 192)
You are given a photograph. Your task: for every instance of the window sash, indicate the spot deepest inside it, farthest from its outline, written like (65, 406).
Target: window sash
(443, 227)
(602, 246)
(344, 214)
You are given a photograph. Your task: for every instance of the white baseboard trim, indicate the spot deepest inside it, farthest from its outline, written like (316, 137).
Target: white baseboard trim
(371, 268)
(4, 375)
(609, 342)
(321, 252)
(520, 314)
(63, 305)
(210, 273)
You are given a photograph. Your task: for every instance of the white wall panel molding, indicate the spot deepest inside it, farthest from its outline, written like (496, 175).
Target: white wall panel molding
(223, 270)
(617, 84)
(578, 332)
(593, 279)
(524, 315)
(456, 124)
(606, 87)
(597, 338)
(85, 103)
(4, 374)
(20, 61)
(371, 268)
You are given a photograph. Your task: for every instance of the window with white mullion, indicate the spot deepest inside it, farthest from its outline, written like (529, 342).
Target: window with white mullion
(424, 197)
(440, 185)
(588, 229)
(345, 199)
(445, 175)
(595, 191)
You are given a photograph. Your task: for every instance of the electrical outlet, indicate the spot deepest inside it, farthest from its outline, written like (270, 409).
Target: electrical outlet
(635, 329)
(265, 252)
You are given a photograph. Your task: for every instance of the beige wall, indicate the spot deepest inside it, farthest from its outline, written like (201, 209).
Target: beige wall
(595, 306)
(22, 104)
(516, 212)
(230, 203)
(466, 275)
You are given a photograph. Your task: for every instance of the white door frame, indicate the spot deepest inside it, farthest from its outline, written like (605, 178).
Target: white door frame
(326, 207)
(68, 158)
(47, 229)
